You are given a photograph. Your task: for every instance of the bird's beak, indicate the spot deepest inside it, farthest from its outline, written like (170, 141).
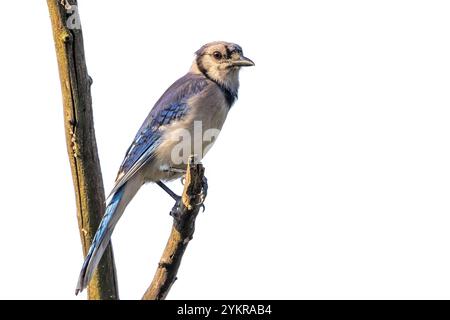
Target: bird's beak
(243, 62)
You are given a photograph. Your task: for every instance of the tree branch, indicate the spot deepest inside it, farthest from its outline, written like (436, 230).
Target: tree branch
(80, 138)
(184, 213)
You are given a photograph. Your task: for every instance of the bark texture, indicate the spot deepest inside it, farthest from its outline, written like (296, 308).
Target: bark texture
(80, 137)
(184, 213)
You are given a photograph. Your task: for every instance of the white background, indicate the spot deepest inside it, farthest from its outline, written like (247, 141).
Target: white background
(336, 155)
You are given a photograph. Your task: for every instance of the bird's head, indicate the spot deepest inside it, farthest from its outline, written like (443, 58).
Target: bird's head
(221, 61)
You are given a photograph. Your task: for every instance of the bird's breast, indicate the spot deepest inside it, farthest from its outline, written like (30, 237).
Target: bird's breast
(195, 133)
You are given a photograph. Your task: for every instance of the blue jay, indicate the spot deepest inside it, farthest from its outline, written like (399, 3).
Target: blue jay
(203, 96)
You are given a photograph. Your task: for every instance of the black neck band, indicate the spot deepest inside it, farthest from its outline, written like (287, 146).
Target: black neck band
(230, 96)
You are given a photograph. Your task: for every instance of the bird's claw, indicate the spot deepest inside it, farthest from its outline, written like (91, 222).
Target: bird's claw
(204, 186)
(203, 193)
(176, 209)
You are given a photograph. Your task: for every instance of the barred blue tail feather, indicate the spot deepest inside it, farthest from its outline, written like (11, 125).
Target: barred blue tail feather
(101, 239)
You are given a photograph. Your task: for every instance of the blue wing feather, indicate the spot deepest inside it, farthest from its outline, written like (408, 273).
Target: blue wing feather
(170, 107)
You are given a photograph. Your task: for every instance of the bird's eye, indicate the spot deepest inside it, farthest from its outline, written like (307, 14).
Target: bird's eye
(217, 55)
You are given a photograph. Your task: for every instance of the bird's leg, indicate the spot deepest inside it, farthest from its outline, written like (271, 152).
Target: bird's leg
(175, 212)
(176, 170)
(169, 192)
(177, 198)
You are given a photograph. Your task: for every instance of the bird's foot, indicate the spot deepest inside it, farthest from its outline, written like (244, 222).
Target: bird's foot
(203, 193)
(176, 209)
